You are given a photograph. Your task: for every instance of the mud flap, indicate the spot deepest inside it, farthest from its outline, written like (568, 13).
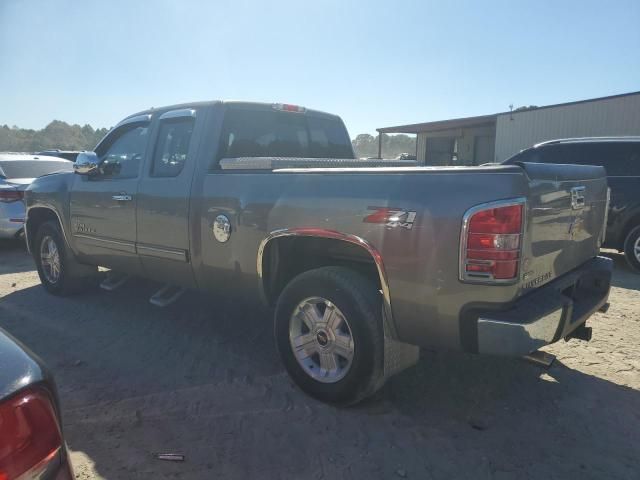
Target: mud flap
(398, 356)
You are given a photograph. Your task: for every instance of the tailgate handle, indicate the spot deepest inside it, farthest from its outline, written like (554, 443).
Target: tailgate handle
(577, 197)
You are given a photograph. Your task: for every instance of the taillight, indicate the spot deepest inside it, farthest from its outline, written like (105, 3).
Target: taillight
(491, 241)
(8, 196)
(30, 437)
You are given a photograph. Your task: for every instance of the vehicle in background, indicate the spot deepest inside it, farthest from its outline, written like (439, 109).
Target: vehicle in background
(363, 261)
(32, 445)
(620, 156)
(17, 171)
(70, 155)
(406, 156)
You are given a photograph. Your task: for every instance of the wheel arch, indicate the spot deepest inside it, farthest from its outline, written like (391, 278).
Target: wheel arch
(327, 248)
(632, 222)
(35, 217)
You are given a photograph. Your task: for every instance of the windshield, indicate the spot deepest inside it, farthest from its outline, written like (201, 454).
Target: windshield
(32, 168)
(251, 133)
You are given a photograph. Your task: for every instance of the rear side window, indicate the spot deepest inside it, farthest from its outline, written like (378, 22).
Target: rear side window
(32, 168)
(618, 158)
(255, 133)
(172, 147)
(524, 156)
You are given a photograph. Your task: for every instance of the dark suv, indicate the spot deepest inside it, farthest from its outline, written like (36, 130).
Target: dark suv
(620, 156)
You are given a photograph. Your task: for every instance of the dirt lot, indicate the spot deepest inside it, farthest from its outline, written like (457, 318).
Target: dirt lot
(202, 378)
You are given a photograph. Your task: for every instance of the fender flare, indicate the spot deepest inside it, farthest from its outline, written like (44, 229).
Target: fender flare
(389, 324)
(26, 224)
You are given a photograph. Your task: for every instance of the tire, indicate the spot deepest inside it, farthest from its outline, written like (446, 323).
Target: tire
(632, 248)
(69, 276)
(356, 316)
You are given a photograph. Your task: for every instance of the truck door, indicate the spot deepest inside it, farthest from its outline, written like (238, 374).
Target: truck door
(103, 206)
(164, 199)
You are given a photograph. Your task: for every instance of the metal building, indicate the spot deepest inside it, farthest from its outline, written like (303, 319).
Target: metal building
(494, 138)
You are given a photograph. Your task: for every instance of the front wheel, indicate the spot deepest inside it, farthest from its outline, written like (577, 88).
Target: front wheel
(328, 329)
(59, 272)
(632, 248)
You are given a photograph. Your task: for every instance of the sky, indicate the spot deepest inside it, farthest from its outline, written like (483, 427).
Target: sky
(375, 63)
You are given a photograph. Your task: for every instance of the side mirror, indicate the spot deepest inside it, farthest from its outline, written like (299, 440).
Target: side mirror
(86, 163)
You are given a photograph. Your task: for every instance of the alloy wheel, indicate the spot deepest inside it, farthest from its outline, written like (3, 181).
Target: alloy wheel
(321, 339)
(50, 259)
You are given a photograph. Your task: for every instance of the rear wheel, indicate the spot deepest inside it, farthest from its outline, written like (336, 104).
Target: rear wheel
(632, 248)
(59, 272)
(328, 328)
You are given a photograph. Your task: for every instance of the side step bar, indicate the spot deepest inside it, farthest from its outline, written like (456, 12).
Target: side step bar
(114, 280)
(166, 296)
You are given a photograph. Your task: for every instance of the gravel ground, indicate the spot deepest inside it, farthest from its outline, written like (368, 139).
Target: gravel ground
(203, 379)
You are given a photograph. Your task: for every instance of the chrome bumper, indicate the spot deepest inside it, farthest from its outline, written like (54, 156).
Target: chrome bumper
(548, 314)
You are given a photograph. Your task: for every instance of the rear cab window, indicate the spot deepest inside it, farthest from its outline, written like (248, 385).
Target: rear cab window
(272, 133)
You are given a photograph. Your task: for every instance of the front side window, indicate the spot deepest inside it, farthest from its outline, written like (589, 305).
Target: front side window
(172, 147)
(120, 156)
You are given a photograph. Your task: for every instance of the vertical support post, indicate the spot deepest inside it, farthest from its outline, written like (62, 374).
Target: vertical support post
(379, 144)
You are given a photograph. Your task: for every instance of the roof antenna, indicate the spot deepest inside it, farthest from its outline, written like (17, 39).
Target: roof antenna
(511, 112)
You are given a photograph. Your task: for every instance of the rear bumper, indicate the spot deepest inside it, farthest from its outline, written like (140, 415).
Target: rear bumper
(10, 228)
(548, 314)
(11, 219)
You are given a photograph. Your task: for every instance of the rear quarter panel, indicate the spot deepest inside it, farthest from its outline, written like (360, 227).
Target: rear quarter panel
(421, 263)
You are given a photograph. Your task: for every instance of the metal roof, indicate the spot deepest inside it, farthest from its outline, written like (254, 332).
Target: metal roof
(442, 124)
(483, 120)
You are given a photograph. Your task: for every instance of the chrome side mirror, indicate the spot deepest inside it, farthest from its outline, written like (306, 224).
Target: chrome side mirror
(86, 163)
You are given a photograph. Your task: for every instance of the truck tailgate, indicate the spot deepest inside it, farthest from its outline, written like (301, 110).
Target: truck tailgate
(566, 215)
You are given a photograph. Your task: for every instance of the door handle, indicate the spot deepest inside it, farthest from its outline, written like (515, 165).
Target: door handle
(122, 197)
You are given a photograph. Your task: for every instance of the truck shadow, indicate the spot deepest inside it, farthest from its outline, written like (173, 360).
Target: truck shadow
(203, 377)
(624, 276)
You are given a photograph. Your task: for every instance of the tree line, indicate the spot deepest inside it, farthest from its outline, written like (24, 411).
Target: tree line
(366, 145)
(57, 134)
(61, 135)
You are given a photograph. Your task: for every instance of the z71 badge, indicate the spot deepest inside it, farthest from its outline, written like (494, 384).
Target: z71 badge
(391, 217)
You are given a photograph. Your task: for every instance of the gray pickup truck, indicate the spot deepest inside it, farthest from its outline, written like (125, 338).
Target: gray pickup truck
(362, 260)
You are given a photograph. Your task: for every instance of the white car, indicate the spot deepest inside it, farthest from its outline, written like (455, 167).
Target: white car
(17, 171)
